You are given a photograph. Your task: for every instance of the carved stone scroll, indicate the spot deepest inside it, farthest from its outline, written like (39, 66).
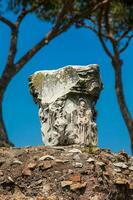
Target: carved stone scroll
(66, 99)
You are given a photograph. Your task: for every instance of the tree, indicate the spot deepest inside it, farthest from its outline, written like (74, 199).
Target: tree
(62, 14)
(112, 23)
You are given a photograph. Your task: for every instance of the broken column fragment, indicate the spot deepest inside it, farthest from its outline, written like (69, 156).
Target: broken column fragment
(66, 99)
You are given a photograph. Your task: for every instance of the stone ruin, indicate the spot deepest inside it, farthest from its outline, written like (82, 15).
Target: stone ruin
(66, 98)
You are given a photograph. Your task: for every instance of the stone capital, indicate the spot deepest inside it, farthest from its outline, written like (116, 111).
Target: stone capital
(66, 99)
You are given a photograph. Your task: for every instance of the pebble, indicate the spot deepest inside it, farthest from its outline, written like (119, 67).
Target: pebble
(31, 165)
(78, 165)
(76, 158)
(61, 161)
(59, 148)
(26, 172)
(100, 163)
(75, 178)
(2, 161)
(75, 151)
(70, 171)
(46, 189)
(10, 179)
(95, 197)
(117, 170)
(17, 162)
(66, 183)
(131, 168)
(77, 186)
(90, 160)
(131, 186)
(46, 165)
(1, 173)
(46, 157)
(120, 181)
(121, 165)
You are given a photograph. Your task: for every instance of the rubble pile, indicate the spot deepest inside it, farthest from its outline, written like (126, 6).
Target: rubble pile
(65, 173)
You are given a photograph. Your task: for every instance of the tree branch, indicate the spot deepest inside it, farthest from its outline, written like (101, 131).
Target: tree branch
(13, 46)
(25, 12)
(92, 20)
(125, 33)
(24, 59)
(101, 37)
(56, 30)
(60, 17)
(87, 26)
(7, 22)
(9, 68)
(107, 24)
(86, 13)
(126, 44)
(67, 25)
(97, 6)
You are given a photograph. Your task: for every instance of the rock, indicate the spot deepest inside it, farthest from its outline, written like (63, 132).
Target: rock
(2, 161)
(77, 186)
(27, 168)
(75, 178)
(124, 154)
(31, 165)
(67, 98)
(66, 183)
(61, 161)
(75, 151)
(70, 171)
(59, 148)
(46, 157)
(52, 197)
(121, 165)
(78, 165)
(17, 162)
(26, 172)
(76, 158)
(121, 181)
(126, 172)
(100, 164)
(95, 198)
(1, 173)
(90, 160)
(41, 198)
(45, 165)
(46, 189)
(131, 186)
(131, 168)
(10, 179)
(117, 170)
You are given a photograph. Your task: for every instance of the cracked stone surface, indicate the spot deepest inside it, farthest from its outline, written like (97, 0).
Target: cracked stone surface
(66, 99)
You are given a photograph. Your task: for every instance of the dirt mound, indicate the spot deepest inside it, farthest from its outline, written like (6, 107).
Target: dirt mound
(65, 173)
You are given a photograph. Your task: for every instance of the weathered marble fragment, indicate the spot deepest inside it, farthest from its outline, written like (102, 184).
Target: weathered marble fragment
(66, 99)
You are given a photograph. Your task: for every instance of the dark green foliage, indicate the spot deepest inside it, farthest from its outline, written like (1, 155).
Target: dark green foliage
(49, 9)
(122, 14)
(120, 11)
(115, 16)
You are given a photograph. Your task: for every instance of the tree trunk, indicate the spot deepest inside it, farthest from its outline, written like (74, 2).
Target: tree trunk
(121, 99)
(4, 141)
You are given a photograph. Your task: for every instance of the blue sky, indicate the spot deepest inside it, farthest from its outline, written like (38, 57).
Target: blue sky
(74, 47)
